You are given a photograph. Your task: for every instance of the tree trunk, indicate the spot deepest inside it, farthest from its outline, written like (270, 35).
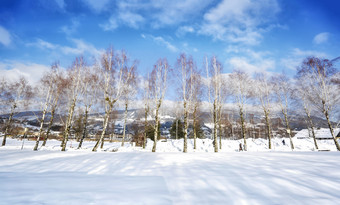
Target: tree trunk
(156, 129)
(43, 119)
(176, 129)
(49, 126)
(266, 114)
(85, 128)
(331, 130)
(220, 127)
(8, 124)
(311, 125)
(124, 129)
(288, 129)
(68, 125)
(194, 127)
(185, 144)
(215, 127)
(243, 131)
(145, 126)
(106, 121)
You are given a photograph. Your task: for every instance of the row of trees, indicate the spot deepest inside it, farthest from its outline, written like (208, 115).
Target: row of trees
(114, 80)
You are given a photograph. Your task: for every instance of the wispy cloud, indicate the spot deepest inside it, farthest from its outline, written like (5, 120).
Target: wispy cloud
(161, 41)
(70, 29)
(296, 56)
(12, 70)
(97, 5)
(5, 37)
(80, 47)
(321, 38)
(181, 31)
(241, 21)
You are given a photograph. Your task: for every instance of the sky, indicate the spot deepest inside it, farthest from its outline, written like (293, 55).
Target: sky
(252, 35)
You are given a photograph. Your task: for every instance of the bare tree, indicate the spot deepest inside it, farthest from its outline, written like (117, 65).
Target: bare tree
(89, 96)
(46, 90)
(283, 91)
(116, 74)
(61, 83)
(214, 92)
(264, 93)
(146, 99)
(75, 75)
(158, 85)
(16, 95)
(197, 91)
(320, 91)
(241, 91)
(129, 92)
(186, 68)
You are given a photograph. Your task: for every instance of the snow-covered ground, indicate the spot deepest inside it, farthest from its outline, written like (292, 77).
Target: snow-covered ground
(134, 176)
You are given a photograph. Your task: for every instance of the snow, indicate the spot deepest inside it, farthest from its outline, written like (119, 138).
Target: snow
(134, 176)
(319, 133)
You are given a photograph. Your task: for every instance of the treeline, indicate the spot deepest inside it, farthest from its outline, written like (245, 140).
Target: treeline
(114, 80)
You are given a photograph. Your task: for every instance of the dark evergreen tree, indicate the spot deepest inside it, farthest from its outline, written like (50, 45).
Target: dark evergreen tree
(180, 129)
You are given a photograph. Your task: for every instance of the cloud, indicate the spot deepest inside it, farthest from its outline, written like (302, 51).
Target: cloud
(161, 41)
(251, 66)
(249, 60)
(181, 31)
(111, 25)
(81, 47)
(157, 13)
(296, 56)
(5, 37)
(165, 43)
(97, 5)
(242, 21)
(68, 30)
(60, 3)
(321, 38)
(12, 70)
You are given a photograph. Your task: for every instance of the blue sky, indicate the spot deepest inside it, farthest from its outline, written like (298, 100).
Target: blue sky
(253, 35)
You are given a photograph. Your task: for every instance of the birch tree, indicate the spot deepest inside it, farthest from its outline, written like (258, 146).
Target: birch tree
(214, 87)
(75, 78)
(16, 95)
(240, 88)
(146, 99)
(158, 85)
(59, 87)
(263, 90)
(322, 93)
(129, 93)
(283, 91)
(185, 67)
(116, 74)
(300, 93)
(89, 96)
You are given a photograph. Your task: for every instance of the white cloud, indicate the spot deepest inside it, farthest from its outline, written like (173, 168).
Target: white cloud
(296, 56)
(81, 47)
(165, 43)
(181, 31)
(321, 38)
(60, 3)
(68, 30)
(251, 66)
(5, 37)
(111, 25)
(97, 5)
(131, 19)
(12, 70)
(158, 13)
(242, 21)
(161, 41)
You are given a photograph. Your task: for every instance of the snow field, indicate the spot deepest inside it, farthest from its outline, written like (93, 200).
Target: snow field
(134, 176)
